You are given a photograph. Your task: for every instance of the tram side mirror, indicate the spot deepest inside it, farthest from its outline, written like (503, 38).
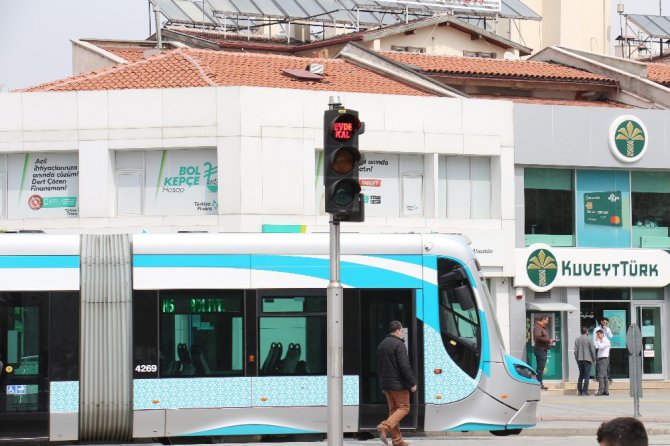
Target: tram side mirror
(464, 297)
(456, 275)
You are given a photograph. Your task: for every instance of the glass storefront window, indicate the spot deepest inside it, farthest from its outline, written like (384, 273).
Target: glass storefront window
(650, 202)
(592, 312)
(604, 294)
(648, 293)
(549, 206)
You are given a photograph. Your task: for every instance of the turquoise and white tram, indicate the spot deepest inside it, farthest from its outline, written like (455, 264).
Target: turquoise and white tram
(112, 337)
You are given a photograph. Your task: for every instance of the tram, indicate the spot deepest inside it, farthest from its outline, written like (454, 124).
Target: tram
(113, 337)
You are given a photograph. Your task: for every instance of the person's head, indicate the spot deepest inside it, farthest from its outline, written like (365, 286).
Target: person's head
(599, 333)
(394, 326)
(544, 320)
(585, 330)
(622, 431)
(604, 321)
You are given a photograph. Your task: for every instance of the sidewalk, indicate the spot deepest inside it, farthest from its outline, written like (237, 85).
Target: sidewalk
(563, 415)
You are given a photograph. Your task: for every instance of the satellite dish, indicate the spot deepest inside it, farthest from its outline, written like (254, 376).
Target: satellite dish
(510, 56)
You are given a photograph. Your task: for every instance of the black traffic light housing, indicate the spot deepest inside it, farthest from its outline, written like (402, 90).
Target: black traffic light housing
(342, 159)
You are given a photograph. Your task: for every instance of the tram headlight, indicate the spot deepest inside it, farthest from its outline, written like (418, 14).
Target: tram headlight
(524, 371)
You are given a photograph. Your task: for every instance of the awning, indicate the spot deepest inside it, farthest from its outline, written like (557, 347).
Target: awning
(550, 306)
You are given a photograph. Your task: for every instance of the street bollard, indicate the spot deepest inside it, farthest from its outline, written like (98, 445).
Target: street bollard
(634, 346)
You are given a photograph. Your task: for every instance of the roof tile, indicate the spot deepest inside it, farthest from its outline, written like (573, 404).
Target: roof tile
(188, 67)
(502, 68)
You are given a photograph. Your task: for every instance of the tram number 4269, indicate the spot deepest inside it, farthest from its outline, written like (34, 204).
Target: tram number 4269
(146, 368)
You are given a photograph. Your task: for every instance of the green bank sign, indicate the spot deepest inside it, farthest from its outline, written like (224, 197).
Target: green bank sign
(628, 138)
(541, 267)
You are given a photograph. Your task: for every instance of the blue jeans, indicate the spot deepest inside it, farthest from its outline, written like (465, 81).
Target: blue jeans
(584, 374)
(541, 360)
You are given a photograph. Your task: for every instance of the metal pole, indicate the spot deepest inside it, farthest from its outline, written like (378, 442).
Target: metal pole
(334, 322)
(159, 38)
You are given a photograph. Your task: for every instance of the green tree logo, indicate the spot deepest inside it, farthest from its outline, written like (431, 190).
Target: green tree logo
(541, 267)
(630, 139)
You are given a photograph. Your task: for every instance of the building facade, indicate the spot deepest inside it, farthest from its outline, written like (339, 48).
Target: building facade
(592, 213)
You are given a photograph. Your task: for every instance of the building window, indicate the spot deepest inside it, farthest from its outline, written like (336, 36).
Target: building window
(292, 334)
(166, 182)
(201, 333)
(482, 54)
(407, 49)
(465, 190)
(650, 201)
(549, 206)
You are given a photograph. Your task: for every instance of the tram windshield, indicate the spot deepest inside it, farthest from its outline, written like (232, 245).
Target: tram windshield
(459, 319)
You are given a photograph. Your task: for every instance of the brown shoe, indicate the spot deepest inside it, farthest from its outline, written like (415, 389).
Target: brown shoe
(382, 434)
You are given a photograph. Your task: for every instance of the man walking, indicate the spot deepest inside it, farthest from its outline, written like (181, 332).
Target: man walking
(602, 345)
(585, 354)
(396, 380)
(542, 345)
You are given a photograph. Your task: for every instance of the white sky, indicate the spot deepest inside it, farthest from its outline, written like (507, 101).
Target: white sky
(35, 34)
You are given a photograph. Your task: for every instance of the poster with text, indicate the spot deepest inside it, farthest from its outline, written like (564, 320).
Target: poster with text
(181, 182)
(43, 185)
(379, 180)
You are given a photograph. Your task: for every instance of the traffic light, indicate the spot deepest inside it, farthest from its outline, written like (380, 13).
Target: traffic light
(342, 158)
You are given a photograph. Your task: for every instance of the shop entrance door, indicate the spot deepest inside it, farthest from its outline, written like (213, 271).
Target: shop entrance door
(554, 368)
(24, 382)
(649, 319)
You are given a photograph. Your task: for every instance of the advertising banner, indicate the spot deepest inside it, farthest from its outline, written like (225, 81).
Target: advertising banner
(603, 208)
(618, 326)
(380, 184)
(181, 182)
(43, 185)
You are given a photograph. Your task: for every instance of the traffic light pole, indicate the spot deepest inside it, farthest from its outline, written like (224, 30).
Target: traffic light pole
(335, 339)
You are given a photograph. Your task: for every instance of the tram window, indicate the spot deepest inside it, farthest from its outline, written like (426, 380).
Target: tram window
(201, 333)
(459, 319)
(292, 335)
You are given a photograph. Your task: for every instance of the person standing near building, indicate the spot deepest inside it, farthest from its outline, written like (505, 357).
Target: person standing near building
(542, 343)
(604, 326)
(622, 431)
(602, 345)
(396, 380)
(585, 354)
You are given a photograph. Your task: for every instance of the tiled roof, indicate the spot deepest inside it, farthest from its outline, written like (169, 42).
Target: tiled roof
(659, 72)
(497, 68)
(129, 54)
(188, 67)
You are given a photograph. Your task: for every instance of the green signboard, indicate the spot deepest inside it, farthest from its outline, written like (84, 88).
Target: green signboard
(603, 208)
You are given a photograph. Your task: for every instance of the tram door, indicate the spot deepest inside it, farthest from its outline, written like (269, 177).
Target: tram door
(23, 379)
(377, 309)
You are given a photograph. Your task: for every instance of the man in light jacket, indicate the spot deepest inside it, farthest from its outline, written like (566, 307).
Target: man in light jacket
(602, 345)
(585, 354)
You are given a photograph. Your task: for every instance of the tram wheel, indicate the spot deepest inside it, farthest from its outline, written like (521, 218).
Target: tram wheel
(506, 432)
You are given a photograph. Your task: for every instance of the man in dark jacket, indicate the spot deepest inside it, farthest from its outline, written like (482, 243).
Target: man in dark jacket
(542, 345)
(396, 380)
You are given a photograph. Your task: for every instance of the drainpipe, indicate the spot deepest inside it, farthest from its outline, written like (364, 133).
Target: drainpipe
(159, 37)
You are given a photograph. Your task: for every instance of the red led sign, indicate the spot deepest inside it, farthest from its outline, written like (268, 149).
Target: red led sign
(345, 126)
